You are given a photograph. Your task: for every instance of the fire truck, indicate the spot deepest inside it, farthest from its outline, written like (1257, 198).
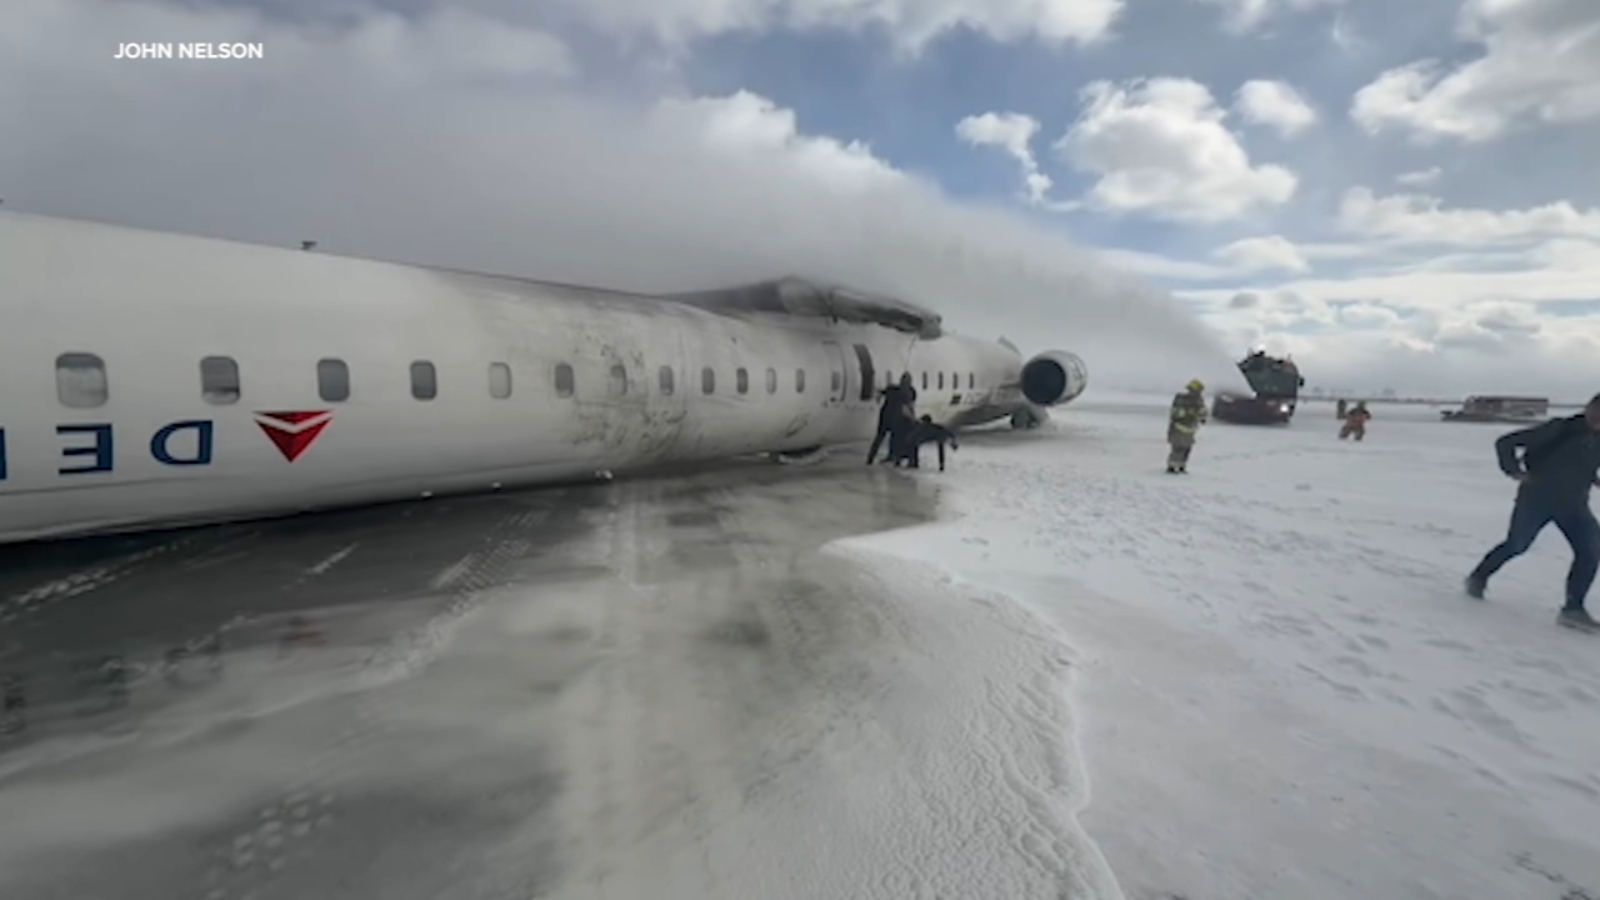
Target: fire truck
(1276, 384)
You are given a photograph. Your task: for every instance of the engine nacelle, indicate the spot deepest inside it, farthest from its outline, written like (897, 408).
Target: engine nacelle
(1053, 378)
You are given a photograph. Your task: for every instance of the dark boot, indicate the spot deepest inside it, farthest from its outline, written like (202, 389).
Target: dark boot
(1578, 619)
(1475, 585)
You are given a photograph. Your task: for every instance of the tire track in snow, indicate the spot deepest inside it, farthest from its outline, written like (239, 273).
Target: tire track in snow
(83, 581)
(644, 768)
(323, 567)
(265, 841)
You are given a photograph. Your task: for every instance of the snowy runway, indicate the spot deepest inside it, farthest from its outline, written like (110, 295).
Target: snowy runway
(1085, 678)
(1283, 690)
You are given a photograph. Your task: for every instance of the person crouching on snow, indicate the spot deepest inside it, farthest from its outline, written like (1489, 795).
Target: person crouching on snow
(925, 432)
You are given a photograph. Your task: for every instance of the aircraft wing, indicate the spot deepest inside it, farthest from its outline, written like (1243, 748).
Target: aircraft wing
(799, 297)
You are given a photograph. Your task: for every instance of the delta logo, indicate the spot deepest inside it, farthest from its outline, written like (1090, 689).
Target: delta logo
(293, 433)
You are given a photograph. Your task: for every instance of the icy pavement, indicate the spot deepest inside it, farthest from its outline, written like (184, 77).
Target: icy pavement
(1281, 690)
(648, 689)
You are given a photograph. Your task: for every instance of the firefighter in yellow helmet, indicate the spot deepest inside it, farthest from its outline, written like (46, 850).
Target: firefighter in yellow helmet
(1188, 414)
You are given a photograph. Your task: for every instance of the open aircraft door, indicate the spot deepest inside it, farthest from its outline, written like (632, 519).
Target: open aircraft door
(838, 373)
(865, 390)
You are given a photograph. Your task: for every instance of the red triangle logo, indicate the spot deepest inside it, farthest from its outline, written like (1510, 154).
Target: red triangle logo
(293, 433)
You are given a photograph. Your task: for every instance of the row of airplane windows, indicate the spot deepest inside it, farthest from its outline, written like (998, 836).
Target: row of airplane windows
(81, 381)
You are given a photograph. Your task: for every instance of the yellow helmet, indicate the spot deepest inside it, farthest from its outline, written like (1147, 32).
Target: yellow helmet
(1197, 385)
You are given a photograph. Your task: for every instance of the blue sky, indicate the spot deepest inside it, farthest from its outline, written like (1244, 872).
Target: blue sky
(848, 85)
(1482, 270)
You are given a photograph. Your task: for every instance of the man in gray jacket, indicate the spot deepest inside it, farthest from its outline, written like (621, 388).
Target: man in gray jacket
(1557, 469)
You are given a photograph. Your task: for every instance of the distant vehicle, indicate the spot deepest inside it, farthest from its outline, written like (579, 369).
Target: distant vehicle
(1499, 409)
(1276, 383)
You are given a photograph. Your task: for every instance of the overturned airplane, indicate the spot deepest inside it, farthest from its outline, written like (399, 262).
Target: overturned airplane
(156, 380)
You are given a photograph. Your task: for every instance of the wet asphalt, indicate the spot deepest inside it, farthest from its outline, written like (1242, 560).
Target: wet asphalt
(477, 697)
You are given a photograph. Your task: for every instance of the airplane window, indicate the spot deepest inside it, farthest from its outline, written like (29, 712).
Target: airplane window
(424, 380)
(941, 381)
(666, 381)
(619, 381)
(972, 381)
(499, 381)
(837, 381)
(741, 379)
(708, 380)
(563, 380)
(81, 380)
(955, 379)
(333, 380)
(219, 380)
(924, 380)
(888, 378)
(772, 381)
(799, 381)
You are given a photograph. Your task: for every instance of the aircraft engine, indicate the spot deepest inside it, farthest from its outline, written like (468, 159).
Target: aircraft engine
(1053, 378)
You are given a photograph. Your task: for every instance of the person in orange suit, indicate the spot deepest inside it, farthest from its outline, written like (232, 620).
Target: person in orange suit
(1355, 422)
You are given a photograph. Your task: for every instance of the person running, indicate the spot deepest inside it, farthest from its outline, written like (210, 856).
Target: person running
(1557, 469)
(1355, 423)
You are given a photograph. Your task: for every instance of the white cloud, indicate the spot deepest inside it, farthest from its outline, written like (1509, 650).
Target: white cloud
(1420, 178)
(1243, 16)
(1541, 62)
(912, 23)
(1239, 259)
(1368, 315)
(1012, 132)
(1276, 104)
(1344, 36)
(1552, 272)
(1362, 343)
(1264, 253)
(1440, 299)
(1160, 147)
(450, 42)
(533, 176)
(1418, 218)
(1156, 265)
(754, 126)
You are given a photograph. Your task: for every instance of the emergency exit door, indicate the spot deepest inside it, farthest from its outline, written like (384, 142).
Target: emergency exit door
(837, 373)
(869, 373)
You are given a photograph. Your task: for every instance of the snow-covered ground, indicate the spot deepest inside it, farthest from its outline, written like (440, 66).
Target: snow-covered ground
(1091, 680)
(1278, 688)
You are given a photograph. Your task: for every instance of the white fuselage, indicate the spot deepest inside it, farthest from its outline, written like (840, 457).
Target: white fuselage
(111, 421)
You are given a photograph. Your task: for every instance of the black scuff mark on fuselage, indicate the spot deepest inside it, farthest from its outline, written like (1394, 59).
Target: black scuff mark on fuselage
(600, 420)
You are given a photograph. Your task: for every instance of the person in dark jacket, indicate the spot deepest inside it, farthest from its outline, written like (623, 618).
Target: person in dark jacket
(1557, 469)
(925, 432)
(894, 418)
